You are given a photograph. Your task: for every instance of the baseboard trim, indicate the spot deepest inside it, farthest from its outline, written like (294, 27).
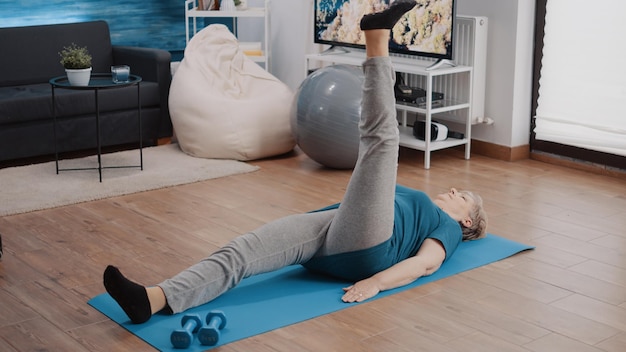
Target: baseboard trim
(597, 169)
(165, 140)
(500, 152)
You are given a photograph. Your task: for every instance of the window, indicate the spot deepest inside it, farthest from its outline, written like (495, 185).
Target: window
(580, 85)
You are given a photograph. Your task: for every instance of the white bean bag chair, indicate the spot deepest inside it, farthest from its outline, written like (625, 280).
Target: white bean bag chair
(225, 106)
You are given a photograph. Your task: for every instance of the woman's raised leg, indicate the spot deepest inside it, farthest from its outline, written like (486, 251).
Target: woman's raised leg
(365, 217)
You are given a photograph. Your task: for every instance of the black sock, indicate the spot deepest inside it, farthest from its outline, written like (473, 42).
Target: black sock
(132, 297)
(387, 19)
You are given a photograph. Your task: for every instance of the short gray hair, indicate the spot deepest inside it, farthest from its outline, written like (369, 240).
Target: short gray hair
(478, 229)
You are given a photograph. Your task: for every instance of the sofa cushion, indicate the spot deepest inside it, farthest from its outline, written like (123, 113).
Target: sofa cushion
(33, 102)
(31, 54)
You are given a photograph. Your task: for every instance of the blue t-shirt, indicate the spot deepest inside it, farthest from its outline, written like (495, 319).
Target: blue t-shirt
(416, 218)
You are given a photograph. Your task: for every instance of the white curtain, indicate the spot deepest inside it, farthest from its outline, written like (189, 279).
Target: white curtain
(582, 87)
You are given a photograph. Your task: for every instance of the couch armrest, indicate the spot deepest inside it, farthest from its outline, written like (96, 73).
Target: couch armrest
(152, 65)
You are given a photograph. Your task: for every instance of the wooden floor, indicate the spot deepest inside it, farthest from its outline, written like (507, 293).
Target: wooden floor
(569, 294)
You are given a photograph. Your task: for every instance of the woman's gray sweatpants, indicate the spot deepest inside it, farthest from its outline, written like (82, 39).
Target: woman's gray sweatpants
(364, 218)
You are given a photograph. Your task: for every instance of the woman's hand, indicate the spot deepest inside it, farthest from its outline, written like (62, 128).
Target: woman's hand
(360, 291)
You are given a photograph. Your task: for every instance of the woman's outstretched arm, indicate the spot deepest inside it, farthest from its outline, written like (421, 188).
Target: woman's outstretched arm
(428, 259)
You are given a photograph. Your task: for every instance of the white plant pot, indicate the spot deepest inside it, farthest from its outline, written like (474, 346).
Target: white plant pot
(78, 77)
(243, 5)
(227, 5)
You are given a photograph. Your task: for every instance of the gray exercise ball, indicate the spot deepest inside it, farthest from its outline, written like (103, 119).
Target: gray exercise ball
(325, 115)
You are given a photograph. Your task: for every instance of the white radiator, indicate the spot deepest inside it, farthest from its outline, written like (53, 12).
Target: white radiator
(469, 49)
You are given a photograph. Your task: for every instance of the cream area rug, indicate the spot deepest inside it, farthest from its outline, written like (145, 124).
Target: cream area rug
(36, 187)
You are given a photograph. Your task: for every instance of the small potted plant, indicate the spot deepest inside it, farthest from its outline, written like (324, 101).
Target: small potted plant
(77, 63)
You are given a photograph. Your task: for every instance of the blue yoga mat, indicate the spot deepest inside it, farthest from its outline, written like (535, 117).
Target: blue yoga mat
(270, 301)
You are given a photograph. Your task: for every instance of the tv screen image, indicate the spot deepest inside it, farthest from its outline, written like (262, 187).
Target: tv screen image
(426, 30)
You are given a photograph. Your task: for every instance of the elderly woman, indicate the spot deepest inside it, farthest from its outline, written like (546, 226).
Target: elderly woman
(381, 236)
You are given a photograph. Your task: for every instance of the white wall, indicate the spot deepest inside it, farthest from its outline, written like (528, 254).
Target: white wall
(291, 26)
(292, 39)
(509, 73)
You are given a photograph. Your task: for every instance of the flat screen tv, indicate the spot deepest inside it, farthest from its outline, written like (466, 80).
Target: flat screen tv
(426, 30)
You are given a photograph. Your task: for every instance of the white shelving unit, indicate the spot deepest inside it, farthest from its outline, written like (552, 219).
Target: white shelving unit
(192, 14)
(416, 67)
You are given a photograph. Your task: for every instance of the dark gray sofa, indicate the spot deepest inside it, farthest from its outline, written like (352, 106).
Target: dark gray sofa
(30, 59)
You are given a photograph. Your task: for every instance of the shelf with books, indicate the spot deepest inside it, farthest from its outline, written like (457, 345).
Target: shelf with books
(257, 51)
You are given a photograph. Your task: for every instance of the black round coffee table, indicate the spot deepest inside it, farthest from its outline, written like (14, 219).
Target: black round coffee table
(97, 82)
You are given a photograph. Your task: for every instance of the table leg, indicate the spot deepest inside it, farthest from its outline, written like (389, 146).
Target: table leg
(98, 135)
(140, 131)
(54, 128)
